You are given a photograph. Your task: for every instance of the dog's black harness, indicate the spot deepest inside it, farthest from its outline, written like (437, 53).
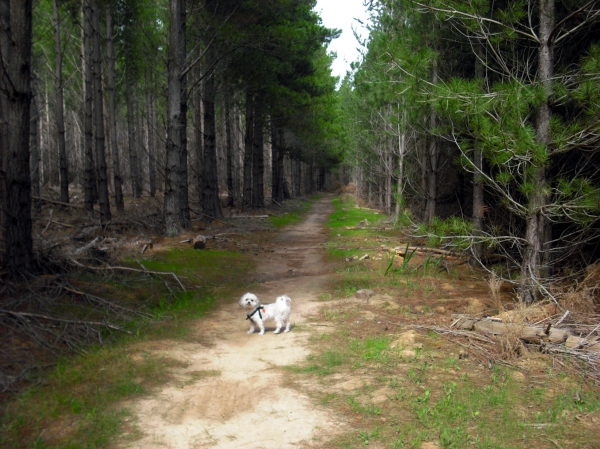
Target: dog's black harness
(249, 317)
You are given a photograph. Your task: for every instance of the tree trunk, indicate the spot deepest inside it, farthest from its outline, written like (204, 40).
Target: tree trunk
(15, 106)
(478, 195)
(274, 162)
(45, 139)
(283, 191)
(248, 151)
(173, 225)
(132, 135)
(388, 181)
(211, 204)
(151, 139)
(198, 118)
(229, 151)
(99, 117)
(34, 142)
(112, 112)
(258, 159)
(432, 157)
(400, 177)
(141, 149)
(184, 206)
(89, 181)
(59, 108)
(5, 47)
(297, 178)
(536, 233)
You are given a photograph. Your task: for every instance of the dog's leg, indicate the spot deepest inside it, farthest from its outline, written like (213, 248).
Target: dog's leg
(251, 331)
(287, 326)
(262, 328)
(278, 323)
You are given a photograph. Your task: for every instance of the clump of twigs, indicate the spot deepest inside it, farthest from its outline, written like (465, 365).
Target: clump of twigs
(510, 345)
(582, 297)
(494, 284)
(55, 315)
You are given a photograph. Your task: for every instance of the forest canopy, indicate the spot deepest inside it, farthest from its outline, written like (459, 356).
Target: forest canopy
(473, 122)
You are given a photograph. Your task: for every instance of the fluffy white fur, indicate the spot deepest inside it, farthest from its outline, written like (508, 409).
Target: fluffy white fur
(279, 311)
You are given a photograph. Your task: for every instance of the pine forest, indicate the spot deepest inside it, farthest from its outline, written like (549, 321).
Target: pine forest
(471, 126)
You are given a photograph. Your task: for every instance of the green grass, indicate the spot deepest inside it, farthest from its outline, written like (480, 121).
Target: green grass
(295, 216)
(427, 400)
(203, 268)
(347, 213)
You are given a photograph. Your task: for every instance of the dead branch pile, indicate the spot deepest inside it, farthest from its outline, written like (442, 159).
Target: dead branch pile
(424, 251)
(486, 340)
(56, 315)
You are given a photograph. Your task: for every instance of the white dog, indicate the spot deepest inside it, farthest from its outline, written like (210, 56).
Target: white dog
(279, 311)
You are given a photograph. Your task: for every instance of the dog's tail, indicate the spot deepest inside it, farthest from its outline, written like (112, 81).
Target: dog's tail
(284, 298)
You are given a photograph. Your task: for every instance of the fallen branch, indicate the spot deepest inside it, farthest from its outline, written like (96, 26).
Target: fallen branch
(562, 318)
(135, 270)
(60, 203)
(426, 249)
(24, 315)
(105, 302)
(249, 216)
(88, 246)
(211, 217)
(49, 222)
(445, 330)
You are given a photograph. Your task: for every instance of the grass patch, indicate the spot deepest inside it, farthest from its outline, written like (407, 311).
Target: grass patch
(347, 213)
(321, 365)
(452, 402)
(300, 208)
(207, 268)
(426, 400)
(74, 408)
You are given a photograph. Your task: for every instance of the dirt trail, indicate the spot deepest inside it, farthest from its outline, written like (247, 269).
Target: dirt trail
(230, 395)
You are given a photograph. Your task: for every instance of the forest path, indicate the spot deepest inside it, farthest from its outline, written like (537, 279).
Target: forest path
(230, 394)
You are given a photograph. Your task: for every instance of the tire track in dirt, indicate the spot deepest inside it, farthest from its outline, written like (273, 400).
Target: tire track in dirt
(230, 395)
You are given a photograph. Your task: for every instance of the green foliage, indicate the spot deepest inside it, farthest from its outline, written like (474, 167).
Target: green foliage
(454, 230)
(484, 99)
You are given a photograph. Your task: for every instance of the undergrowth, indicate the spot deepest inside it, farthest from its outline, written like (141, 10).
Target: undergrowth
(73, 406)
(401, 394)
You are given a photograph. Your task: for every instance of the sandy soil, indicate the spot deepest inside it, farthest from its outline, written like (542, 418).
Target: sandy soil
(231, 394)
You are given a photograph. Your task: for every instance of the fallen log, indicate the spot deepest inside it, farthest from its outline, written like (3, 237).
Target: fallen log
(403, 253)
(426, 249)
(530, 334)
(88, 246)
(60, 203)
(248, 216)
